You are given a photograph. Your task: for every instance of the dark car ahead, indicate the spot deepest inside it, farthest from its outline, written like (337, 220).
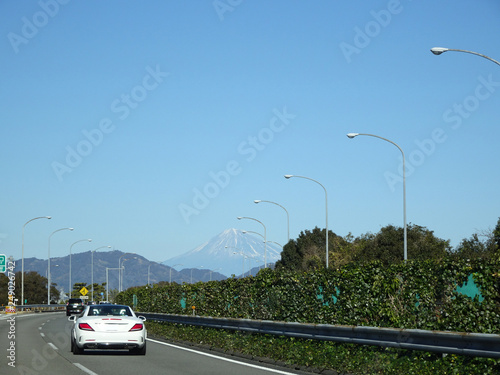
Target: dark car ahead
(74, 305)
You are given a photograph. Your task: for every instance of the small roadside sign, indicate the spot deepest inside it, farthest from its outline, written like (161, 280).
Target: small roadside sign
(84, 291)
(84, 297)
(3, 265)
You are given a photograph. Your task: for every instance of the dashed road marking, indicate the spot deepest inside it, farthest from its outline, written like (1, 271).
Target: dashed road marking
(84, 369)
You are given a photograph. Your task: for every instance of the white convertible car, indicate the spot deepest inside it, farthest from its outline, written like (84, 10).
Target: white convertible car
(108, 327)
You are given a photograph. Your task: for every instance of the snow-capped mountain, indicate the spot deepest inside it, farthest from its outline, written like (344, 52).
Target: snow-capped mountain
(232, 252)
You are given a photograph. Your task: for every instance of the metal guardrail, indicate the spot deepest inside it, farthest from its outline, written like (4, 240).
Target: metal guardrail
(470, 344)
(35, 308)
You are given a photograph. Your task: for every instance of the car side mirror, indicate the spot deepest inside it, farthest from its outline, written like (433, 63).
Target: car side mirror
(72, 318)
(142, 318)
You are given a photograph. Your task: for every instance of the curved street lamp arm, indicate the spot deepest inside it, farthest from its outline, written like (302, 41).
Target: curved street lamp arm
(265, 236)
(288, 176)
(250, 231)
(22, 255)
(353, 135)
(74, 243)
(440, 50)
(48, 264)
(287, 215)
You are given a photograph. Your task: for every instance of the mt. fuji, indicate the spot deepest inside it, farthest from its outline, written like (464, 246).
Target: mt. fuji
(232, 252)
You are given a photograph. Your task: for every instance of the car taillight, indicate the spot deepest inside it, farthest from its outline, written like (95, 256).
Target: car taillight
(137, 327)
(85, 327)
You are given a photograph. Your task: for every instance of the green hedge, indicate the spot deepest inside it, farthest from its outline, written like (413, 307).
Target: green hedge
(414, 294)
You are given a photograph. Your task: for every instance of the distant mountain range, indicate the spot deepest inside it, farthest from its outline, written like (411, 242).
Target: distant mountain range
(135, 273)
(231, 252)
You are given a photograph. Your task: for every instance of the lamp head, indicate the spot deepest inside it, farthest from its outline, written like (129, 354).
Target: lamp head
(71, 228)
(257, 201)
(438, 50)
(239, 218)
(90, 240)
(48, 217)
(352, 135)
(287, 176)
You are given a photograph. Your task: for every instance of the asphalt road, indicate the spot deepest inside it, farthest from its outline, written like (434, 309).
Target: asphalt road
(39, 344)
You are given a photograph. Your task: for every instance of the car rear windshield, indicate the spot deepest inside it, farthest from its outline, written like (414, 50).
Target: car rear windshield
(75, 300)
(99, 310)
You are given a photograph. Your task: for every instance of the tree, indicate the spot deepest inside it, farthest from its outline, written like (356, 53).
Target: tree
(35, 288)
(496, 237)
(387, 245)
(473, 247)
(75, 293)
(308, 252)
(4, 292)
(98, 289)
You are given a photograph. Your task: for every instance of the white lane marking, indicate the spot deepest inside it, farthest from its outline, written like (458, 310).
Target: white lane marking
(224, 359)
(18, 316)
(39, 327)
(42, 334)
(52, 346)
(84, 369)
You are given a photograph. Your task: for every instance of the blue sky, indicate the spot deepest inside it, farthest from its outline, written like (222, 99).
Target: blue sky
(151, 126)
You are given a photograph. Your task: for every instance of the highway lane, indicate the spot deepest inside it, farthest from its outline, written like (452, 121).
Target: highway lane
(21, 336)
(42, 346)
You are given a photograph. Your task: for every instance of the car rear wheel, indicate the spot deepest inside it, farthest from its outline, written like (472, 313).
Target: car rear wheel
(139, 351)
(76, 350)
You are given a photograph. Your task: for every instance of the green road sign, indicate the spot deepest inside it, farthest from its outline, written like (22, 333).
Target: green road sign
(3, 265)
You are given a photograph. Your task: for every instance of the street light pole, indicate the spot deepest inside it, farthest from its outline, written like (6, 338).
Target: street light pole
(107, 282)
(242, 255)
(287, 216)
(440, 50)
(170, 280)
(288, 176)
(120, 272)
(149, 269)
(257, 233)
(22, 255)
(70, 286)
(351, 136)
(192, 273)
(265, 236)
(92, 269)
(213, 271)
(48, 265)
